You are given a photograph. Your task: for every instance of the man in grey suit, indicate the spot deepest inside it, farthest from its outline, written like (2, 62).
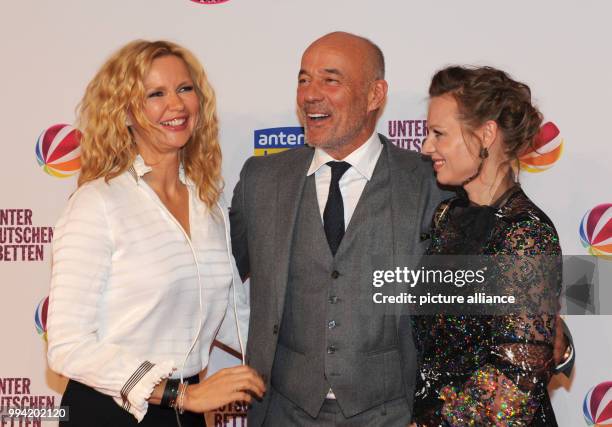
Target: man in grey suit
(308, 227)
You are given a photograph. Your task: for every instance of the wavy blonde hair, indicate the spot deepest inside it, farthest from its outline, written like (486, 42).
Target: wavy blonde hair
(107, 146)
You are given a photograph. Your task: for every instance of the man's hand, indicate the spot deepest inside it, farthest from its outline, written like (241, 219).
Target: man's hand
(561, 350)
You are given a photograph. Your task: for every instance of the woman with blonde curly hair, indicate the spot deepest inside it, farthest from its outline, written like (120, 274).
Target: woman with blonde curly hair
(143, 277)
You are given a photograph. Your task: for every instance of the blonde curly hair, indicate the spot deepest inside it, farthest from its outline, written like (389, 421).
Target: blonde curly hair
(107, 146)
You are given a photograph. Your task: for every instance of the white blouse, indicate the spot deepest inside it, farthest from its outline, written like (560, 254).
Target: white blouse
(124, 306)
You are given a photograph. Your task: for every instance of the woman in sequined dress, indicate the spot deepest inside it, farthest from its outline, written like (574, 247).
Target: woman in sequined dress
(487, 370)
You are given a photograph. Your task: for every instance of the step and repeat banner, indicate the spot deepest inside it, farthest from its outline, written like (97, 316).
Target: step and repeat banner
(251, 50)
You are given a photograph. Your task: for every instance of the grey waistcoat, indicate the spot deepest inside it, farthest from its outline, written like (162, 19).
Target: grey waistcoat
(331, 334)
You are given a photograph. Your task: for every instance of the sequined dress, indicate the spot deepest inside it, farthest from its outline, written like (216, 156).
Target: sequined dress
(490, 370)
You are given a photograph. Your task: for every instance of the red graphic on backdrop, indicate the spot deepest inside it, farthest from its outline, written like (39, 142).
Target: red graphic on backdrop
(545, 151)
(58, 150)
(209, 1)
(596, 231)
(597, 405)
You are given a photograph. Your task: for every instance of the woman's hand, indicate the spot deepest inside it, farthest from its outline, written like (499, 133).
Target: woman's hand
(239, 383)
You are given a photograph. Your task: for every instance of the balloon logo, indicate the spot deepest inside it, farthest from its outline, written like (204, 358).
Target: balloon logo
(597, 405)
(596, 231)
(58, 151)
(40, 317)
(209, 1)
(546, 150)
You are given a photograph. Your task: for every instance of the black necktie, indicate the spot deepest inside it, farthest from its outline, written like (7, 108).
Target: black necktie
(333, 215)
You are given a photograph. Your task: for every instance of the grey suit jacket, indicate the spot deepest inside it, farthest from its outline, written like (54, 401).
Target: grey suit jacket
(263, 215)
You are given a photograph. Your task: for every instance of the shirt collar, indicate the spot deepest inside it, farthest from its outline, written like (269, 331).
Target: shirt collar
(140, 169)
(362, 159)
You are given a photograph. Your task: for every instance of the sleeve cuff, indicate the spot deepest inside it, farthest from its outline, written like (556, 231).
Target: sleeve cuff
(140, 385)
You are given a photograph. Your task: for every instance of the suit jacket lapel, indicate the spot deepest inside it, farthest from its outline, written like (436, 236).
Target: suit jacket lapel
(405, 199)
(290, 179)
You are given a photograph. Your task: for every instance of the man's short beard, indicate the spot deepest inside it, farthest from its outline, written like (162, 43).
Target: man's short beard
(336, 142)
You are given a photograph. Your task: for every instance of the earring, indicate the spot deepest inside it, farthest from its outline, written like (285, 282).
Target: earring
(484, 153)
(128, 122)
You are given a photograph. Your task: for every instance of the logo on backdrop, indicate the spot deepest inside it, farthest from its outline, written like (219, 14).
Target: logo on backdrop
(40, 317)
(233, 414)
(597, 405)
(16, 392)
(58, 151)
(596, 231)
(209, 1)
(274, 140)
(547, 149)
(407, 134)
(19, 239)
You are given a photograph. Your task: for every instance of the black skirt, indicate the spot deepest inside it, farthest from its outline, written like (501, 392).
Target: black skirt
(90, 408)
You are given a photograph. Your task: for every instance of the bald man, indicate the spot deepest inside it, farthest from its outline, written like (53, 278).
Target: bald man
(309, 227)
